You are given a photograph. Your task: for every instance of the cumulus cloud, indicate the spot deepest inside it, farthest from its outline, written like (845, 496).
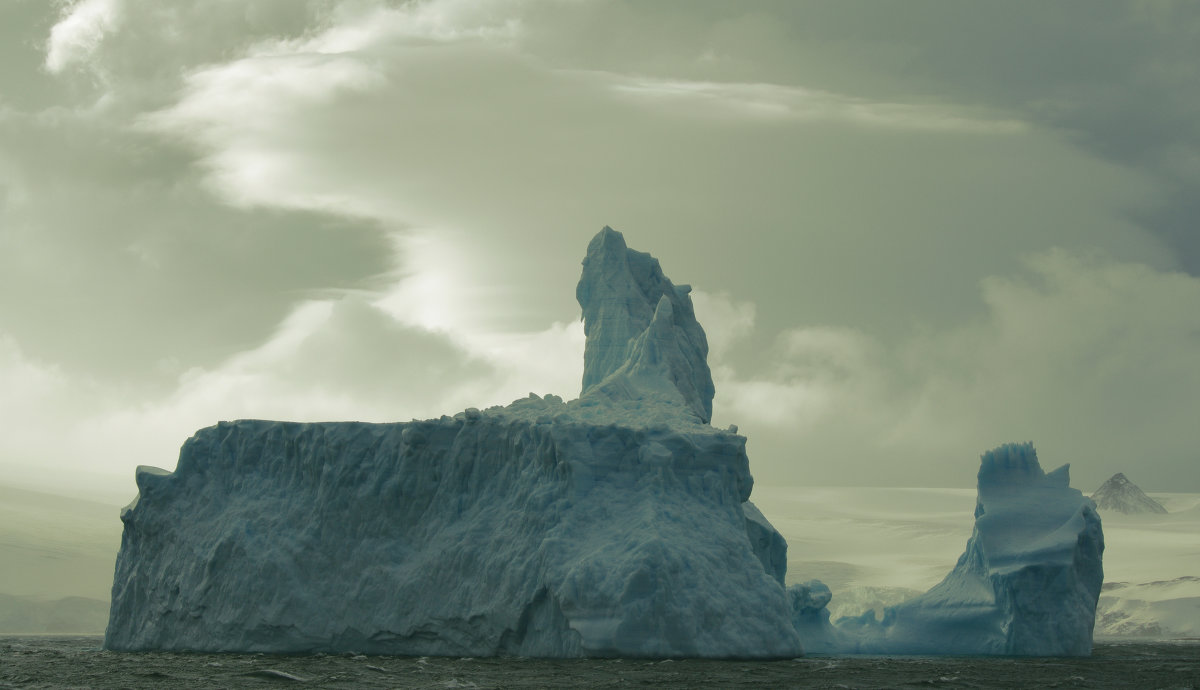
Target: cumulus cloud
(1096, 361)
(813, 373)
(725, 320)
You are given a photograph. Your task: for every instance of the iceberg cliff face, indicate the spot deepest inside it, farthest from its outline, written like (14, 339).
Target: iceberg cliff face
(1027, 583)
(610, 525)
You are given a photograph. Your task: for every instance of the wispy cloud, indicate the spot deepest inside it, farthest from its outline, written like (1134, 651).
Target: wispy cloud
(359, 27)
(779, 102)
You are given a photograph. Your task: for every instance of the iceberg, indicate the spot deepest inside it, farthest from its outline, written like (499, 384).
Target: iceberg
(616, 524)
(1027, 584)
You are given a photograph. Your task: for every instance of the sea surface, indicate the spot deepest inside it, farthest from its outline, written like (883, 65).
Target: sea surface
(79, 662)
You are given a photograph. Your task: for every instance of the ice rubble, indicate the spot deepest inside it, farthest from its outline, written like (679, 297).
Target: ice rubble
(1027, 583)
(615, 524)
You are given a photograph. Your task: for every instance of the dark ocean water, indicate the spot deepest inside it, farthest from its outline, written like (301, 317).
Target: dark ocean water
(79, 662)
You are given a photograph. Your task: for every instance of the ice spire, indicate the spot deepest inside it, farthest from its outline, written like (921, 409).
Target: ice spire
(642, 333)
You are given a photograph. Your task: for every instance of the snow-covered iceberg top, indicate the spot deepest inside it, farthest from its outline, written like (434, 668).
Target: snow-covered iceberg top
(615, 524)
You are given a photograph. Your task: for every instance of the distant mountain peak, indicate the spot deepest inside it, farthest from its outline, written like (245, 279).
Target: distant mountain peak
(1123, 496)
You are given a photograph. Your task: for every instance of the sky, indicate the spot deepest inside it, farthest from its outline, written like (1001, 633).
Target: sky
(915, 230)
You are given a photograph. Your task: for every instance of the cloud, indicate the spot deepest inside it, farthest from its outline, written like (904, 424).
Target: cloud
(283, 208)
(1096, 361)
(234, 109)
(334, 359)
(766, 102)
(813, 373)
(42, 406)
(256, 119)
(113, 233)
(29, 390)
(329, 359)
(75, 38)
(362, 26)
(1115, 78)
(485, 139)
(725, 320)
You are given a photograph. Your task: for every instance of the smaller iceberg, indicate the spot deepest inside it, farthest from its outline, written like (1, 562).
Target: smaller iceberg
(1027, 584)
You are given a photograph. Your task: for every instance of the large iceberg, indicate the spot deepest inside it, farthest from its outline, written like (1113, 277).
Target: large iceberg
(614, 524)
(1027, 583)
